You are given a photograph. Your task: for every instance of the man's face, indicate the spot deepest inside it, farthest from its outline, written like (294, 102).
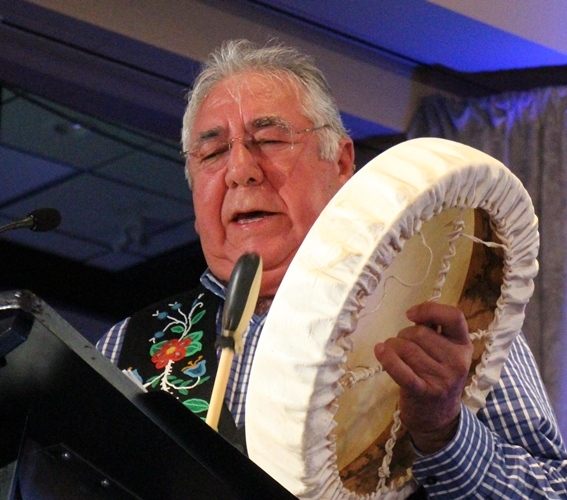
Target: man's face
(252, 202)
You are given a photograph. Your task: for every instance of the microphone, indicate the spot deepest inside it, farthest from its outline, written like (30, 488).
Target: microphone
(40, 220)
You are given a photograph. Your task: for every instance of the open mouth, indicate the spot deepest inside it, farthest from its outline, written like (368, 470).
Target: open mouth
(247, 217)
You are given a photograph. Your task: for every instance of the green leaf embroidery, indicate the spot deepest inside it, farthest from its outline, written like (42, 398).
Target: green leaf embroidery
(196, 405)
(157, 347)
(177, 329)
(193, 348)
(196, 336)
(198, 317)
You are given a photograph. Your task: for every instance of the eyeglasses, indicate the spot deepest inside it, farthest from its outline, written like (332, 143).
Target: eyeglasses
(275, 142)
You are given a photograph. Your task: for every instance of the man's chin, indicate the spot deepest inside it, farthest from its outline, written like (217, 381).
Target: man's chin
(273, 270)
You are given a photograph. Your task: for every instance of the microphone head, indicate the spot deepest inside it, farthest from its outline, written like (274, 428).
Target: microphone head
(45, 219)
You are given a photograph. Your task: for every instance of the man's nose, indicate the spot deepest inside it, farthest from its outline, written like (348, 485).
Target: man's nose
(243, 166)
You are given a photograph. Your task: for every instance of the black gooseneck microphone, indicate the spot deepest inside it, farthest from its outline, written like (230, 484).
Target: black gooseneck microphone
(40, 220)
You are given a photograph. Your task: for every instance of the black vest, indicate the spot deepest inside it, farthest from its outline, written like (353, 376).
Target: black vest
(171, 347)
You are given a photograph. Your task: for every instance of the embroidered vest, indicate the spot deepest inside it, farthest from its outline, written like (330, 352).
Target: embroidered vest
(170, 346)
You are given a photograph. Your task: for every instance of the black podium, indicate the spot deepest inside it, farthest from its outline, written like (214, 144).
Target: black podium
(73, 426)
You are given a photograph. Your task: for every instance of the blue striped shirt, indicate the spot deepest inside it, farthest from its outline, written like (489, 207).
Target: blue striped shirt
(512, 448)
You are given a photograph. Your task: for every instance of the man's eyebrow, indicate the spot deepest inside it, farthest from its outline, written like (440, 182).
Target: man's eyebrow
(208, 134)
(269, 121)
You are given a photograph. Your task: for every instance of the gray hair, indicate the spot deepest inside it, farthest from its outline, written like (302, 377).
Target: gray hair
(238, 56)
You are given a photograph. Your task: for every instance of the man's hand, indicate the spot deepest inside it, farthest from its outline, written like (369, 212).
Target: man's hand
(430, 362)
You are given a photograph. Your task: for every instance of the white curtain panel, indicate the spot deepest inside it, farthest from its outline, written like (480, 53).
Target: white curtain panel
(527, 131)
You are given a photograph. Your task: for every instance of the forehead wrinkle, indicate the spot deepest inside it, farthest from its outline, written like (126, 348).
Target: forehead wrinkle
(214, 132)
(237, 86)
(234, 89)
(235, 94)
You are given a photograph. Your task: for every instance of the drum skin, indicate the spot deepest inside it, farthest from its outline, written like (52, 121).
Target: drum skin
(407, 228)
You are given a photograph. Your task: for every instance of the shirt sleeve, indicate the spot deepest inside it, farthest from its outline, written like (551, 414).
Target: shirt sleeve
(111, 342)
(511, 449)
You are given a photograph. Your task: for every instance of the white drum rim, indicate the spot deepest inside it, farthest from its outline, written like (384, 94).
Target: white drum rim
(293, 443)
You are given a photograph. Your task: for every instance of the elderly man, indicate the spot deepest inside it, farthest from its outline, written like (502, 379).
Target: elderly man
(266, 150)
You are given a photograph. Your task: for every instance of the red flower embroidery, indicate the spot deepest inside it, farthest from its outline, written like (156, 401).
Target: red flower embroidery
(172, 350)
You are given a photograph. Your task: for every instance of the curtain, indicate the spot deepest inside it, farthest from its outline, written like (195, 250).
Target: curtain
(527, 131)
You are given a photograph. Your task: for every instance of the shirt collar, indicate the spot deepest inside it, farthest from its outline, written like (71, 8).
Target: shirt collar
(213, 284)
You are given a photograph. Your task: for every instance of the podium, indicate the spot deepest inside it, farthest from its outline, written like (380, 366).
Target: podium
(73, 426)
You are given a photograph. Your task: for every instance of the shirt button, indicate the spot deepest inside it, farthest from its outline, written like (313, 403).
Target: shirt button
(431, 480)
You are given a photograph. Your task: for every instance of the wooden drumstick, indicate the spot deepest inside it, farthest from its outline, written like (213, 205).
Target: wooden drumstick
(241, 297)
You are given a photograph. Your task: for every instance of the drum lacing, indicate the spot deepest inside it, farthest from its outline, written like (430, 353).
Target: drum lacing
(458, 226)
(359, 373)
(384, 470)
(481, 334)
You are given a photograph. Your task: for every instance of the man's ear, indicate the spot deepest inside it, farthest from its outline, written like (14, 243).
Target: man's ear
(345, 159)
(197, 226)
